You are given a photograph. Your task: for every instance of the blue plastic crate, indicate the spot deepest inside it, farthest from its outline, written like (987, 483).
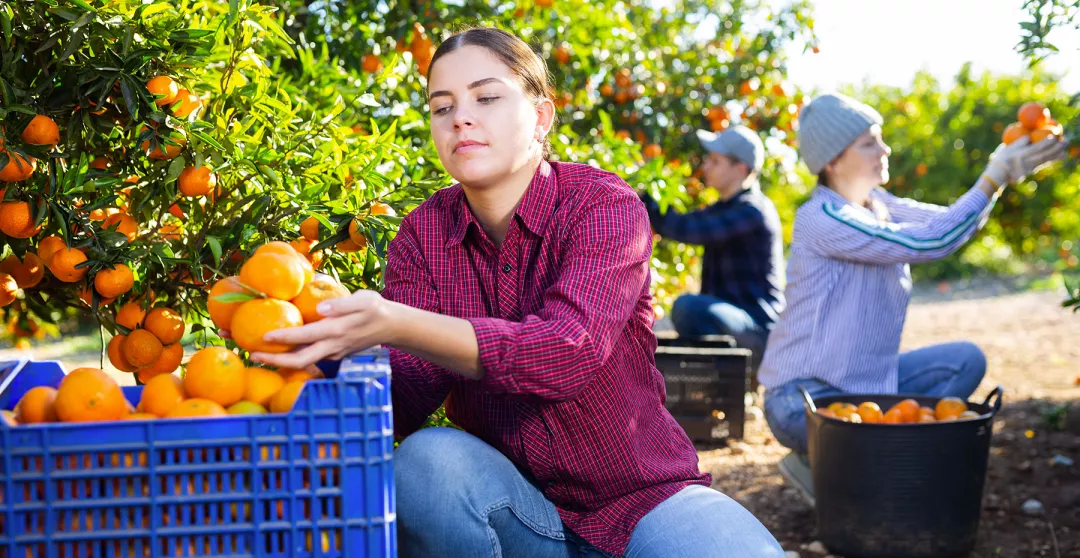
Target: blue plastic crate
(317, 481)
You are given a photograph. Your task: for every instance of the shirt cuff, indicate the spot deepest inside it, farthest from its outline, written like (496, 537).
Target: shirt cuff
(496, 342)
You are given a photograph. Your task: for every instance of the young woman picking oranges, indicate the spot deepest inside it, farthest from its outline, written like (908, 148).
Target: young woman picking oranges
(848, 282)
(520, 298)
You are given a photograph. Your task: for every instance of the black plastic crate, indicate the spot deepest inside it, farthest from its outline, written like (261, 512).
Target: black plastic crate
(706, 387)
(671, 339)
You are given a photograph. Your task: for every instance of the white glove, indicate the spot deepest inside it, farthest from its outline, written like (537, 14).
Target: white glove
(1013, 163)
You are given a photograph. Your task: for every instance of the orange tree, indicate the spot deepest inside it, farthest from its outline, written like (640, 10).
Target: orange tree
(632, 83)
(190, 132)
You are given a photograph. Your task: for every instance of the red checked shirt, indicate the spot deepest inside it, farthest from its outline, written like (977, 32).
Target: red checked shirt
(563, 319)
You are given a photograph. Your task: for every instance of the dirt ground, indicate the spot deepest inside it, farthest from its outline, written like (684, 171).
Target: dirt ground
(1032, 347)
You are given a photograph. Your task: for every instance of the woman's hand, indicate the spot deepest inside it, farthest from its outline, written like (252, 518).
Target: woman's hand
(1013, 163)
(353, 323)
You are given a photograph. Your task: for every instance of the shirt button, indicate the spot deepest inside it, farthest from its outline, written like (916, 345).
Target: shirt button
(507, 268)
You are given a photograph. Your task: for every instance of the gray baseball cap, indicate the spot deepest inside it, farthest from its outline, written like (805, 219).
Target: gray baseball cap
(738, 142)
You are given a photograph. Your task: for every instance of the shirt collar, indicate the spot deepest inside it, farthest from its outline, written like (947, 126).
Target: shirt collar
(879, 211)
(534, 210)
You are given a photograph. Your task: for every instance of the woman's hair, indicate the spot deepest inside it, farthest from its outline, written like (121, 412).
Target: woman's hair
(526, 65)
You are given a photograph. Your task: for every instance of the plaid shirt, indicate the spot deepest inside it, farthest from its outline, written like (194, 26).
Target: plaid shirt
(744, 251)
(563, 319)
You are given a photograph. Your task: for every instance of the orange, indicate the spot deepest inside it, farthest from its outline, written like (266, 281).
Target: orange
(41, 130)
(141, 348)
(18, 168)
(355, 234)
(371, 64)
(276, 275)
(17, 220)
(63, 264)
(255, 318)
(1014, 132)
(130, 315)
(1033, 115)
(310, 228)
(141, 416)
(949, 408)
(283, 400)
(37, 406)
(893, 416)
(216, 374)
(163, 151)
(348, 245)
(299, 375)
(196, 181)
(163, 89)
(100, 163)
(89, 394)
(8, 289)
(1049, 130)
(839, 408)
(177, 212)
(260, 385)
(221, 313)
(27, 273)
(286, 249)
(48, 246)
(320, 289)
(116, 354)
(166, 324)
(303, 247)
(125, 224)
(379, 208)
(561, 54)
(188, 103)
(197, 408)
(826, 413)
(909, 410)
(246, 408)
(652, 150)
(870, 412)
(926, 417)
(167, 363)
(162, 394)
(111, 283)
(968, 414)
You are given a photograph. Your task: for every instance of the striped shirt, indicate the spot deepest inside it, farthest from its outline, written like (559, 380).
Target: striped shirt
(563, 321)
(849, 285)
(744, 251)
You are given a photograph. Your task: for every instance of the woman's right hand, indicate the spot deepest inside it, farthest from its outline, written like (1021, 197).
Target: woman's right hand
(1016, 161)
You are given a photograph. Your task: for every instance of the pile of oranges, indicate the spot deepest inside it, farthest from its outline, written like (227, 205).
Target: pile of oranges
(1033, 121)
(152, 347)
(907, 411)
(216, 384)
(277, 288)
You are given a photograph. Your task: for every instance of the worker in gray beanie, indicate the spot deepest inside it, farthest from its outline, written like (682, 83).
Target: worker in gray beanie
(848, 283)
(741, 272)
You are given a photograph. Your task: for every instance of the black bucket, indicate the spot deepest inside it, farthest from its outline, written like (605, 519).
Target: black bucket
(899, 490)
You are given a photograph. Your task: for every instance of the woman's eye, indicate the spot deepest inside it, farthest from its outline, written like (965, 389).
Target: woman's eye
(487, 100)
(440, 110)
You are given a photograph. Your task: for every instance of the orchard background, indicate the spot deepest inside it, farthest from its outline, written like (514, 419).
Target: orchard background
(315, 108)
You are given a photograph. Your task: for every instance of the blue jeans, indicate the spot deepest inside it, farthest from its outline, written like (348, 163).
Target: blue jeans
(698, 315)
(459, 497)
(938, 370)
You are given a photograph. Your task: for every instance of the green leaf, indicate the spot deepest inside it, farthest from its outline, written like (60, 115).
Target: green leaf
(203, 137)
(83, 5)
(215, 249)
(175, 168)
(23, 109)
(228, 298)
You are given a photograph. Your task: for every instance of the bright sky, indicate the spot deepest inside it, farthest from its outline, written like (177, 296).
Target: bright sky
(887, 41)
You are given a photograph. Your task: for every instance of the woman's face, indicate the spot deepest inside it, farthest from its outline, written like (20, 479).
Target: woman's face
(484, 125)
(864, 162)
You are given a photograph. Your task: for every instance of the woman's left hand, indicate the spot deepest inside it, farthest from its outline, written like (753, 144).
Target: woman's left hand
(351, 324)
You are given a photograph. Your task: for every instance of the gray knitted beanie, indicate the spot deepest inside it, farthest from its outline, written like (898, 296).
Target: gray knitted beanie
(828, 125)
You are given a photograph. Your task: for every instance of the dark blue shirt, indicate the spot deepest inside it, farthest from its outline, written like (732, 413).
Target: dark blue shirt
(744, 252)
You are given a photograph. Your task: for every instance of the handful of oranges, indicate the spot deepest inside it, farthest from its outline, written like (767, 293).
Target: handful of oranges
(907, 411)
(1033, 121)
(277, 288)
(215, 384)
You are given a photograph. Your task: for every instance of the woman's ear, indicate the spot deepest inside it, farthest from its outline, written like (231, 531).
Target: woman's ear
(545, 116)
